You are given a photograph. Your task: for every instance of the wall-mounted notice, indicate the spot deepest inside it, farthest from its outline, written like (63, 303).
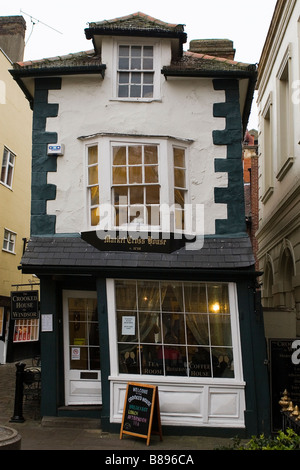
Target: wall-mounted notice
(141, 414)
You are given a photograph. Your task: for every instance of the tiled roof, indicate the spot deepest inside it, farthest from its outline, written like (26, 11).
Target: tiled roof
(83, 58)
(135, 21)
(192, 61)
(72, 253)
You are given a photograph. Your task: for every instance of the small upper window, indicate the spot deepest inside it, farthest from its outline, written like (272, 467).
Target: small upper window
(135, 71)
(9, 241)
(7, 169)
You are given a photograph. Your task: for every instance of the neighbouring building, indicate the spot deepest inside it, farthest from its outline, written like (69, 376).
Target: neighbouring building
(279, 224)
(19, 337)
(138, 232)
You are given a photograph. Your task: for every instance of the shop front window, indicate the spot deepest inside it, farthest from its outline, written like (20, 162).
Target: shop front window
(169, 328)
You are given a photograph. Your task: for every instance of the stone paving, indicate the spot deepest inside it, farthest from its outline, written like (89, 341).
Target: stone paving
(69, 435)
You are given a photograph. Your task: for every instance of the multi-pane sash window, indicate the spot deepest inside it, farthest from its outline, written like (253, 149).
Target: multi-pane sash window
(136, 189)
(135, 72)
(93, 184)
(171, 328)
(9, 241)
(7, 168)
(179, 186)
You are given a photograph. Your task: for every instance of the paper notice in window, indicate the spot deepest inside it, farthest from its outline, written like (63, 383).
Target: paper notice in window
(128, 326)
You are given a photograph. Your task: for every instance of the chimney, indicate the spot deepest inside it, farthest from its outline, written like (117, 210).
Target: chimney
(214, 47)
(12, 35)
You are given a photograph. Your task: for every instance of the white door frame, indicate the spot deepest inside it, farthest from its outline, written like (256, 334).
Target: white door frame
(81, 387)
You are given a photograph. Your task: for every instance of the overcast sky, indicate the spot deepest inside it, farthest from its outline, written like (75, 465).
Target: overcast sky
(57, 27)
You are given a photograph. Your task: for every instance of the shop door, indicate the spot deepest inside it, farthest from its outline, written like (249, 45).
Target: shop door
(82, 351)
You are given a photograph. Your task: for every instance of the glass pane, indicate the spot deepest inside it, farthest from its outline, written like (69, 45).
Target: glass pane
(136, 78)
(93, 175)
(121, 216)
(124, 78)
(124, 63)
(135, 155)
(81, 361)
(135, 91)
(173, 328)
(179, 196)
(150, 154)
(95, 217)
(218, 300)
(136, 51)
(148, 296)
(126, 295)
(148, 91)
(9, 176)
(128, 359)
(135, 174)
(149, 324)
(153, 213)
(136, 214)
(195, 298)
(148, 63)
(152, 194)
(119, 175)
(175, 360)
(121, 195)
(123, 91)
(136, 195)
(151, 174)
(197, 329)
(94, 195)
(179, 158)
(220, 330)
(127, 327)
(124, 51)
(172, 300)
(119, 155)
(179, 176)
(152, 363)
(136, 63)
(92, 155)
(148, 51)
(199, 362)
(223, 362)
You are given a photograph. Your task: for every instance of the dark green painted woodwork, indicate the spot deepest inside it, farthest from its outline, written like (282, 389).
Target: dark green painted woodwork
(41, 191)
(231, 136)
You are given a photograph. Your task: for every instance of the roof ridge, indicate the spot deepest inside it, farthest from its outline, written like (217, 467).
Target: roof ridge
(134, 15)
(212, 57)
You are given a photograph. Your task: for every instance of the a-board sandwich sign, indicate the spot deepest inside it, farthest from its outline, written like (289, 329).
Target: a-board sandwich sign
(141, 414)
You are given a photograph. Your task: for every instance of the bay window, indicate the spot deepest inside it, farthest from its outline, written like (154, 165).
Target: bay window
(172, 328)
(136, 180)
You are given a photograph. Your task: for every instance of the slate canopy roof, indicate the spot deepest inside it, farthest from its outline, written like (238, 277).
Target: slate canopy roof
(71, 253)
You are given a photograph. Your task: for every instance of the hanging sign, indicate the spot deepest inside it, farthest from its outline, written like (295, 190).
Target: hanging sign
(24, 305)
(141, 414)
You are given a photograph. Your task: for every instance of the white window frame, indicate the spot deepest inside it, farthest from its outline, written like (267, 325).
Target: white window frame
(156, 67)
(8, 167)
(236, 345)
(9, 237)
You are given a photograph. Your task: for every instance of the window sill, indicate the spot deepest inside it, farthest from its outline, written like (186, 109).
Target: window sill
(285, 168)
(135, 100)
(7, 251)
(6, 185)
(268, 193)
